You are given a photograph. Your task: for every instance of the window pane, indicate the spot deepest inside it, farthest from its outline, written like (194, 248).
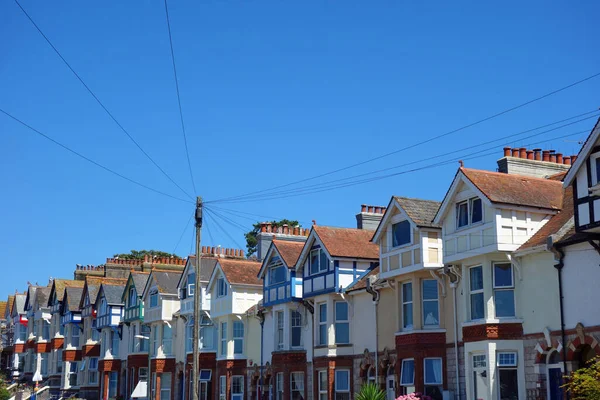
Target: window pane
(324, 262)
(401, 233)
(507, 359)
(505, 303)
(323, 312)
(407, 315)
(477, 306)
(341, 311)
(597, 169)
(408, 372)
(509, 384)
(476, 211)
(342, 380)
(476, 278)
(430, 291)
(431, 313)
(462, 214)
(407, 292)
(314, 261)
(433, 371)
(503, 275)
(342, 333)
(323, 334)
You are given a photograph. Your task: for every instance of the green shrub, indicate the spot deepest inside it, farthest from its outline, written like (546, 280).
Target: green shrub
(584, 383)
(370, 391)
(4, 394)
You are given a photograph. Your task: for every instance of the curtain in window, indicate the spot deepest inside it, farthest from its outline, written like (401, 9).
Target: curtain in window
(433, 371)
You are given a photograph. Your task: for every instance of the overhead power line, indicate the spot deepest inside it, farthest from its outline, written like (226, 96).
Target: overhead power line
(306, 188)
(187, 152)
(99, 101)
(183, 233)
(496, 115)
(90, 160)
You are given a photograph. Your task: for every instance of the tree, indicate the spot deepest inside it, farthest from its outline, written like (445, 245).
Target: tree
(139, 254)
(584, 383)
(251, 237)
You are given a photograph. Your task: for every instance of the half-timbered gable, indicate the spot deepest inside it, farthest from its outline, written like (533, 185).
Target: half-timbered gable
(281, 284)
(584, 178)
(109, 306)
(187, 282)
(132, 296)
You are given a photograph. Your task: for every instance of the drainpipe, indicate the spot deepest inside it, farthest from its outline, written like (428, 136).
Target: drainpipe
(375, 294)
(454, 281)
(559, 267)
(261, 317)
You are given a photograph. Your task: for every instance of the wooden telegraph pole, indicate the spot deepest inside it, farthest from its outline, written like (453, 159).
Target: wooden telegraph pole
(197, 294)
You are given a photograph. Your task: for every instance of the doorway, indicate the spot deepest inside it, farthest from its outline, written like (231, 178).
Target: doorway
(480, 377)
(555, 373)
(390, 385)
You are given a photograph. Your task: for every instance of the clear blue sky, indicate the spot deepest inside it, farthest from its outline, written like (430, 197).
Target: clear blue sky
(272, 92)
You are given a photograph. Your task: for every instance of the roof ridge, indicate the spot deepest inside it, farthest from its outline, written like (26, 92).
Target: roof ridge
(516, 176)
(418, 199)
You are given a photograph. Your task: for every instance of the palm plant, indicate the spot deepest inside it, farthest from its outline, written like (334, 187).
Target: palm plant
(370, 391)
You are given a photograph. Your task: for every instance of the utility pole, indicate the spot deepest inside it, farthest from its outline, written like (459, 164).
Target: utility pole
(197, 294)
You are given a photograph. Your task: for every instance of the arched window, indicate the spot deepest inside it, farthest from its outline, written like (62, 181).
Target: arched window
(371, 375)
(553, 357)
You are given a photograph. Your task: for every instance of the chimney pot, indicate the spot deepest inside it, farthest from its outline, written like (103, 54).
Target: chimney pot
(522, 152)
(553, 157)
(241, 253)
(377, 210)
(545, 155)
(530, 154)
(537, 154)
(559, 158)
(567, 160)
(263, 227)
(507, 152)
(285, 229)
(573, 158)
(515, 153)
(363, 208)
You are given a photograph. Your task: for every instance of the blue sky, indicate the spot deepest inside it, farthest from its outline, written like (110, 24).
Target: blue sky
(272, 92)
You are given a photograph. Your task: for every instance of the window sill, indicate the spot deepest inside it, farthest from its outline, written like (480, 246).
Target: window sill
(510, 320)
(427, 330)
(334, 346)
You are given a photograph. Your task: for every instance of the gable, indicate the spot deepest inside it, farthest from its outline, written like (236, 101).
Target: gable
(591, 142)
(216, 274)
(393, 209)
(460, 189)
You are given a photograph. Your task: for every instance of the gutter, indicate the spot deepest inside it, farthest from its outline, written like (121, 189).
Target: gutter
(559, 267)
(454, 278)
(375, 294)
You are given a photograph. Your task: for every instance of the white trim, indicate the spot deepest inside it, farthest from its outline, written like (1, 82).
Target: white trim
(583, 154)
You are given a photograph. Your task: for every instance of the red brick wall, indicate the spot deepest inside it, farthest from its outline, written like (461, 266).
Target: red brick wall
(57, 343)
(42, 347)
(230, 368)
(420, 346)
(20, 348)
(287, 362)
(331, 364)
(72, 355)
(91, 350)
(205, 361)
(480, 332)
(109, 365)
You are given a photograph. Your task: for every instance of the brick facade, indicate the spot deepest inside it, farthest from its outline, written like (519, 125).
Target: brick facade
(286, 362)
(43, 347)
(330, 364)
(57, 343)
(71, 355)
(480, 332)
(418, 346)
(205, 361)
(229, 368)
(159, 366)
(91, 350)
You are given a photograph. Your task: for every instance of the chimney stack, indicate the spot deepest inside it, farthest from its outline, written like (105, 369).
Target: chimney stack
(369, 217)
(269, 231)
(536, 162)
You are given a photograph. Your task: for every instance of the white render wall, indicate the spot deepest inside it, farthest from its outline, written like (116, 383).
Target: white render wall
(581, 276)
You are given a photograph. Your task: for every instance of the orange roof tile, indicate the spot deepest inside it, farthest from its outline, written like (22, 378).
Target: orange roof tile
(362, 283)
(3, 305)
(289, 251)
(241, 272)
(348, 242)
(516, 189)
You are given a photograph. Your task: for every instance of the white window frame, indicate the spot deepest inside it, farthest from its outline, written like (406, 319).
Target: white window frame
(223, 341)
(115, 342)
(504, 288)
(222, 387)
(436, 300)
(279, 329)
(144, 375)
(323, 267)
(191, 286)
(166, 344)
(299, 382)
(322, 390)
(237, 338)
(221, 287)
(93, 371)
(593, 160)
(407, 303)
(506, 366)
(189, 336)
(407, 384)
(469, 204)
(295, 323)
(439, 384)
(110, 384)
(276, 266)
(279, 386)
(132, 297)
(155, 341)
(153, 303)
(471, 208)
(475, 291)
(339, 390)
(240, 395)
(410, 235)
(75, 334)
(168, 388)
(342, 322)
(145, 331)
(322, 342)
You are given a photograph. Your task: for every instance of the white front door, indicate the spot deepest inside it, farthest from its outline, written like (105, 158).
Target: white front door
(480, 377)
(391, 387)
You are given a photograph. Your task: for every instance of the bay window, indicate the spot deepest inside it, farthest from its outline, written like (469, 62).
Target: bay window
(342, 324)
(504, 290)
(153, 298)
(433, 378)
(72, 374)
(155, 341)
(223, 338)
(222, 387)
(296, 329)
(407, 306)
(401, 233)
(318, 261)
(95, 333)
(191, 284)
(145, 340)
(221, 287)
(135, 342)
(430, 306)
(207, 333)
(189, 336)
(323, 385)
(322, 324)
(279, 386)
(238, 337)
(237, 388)
(508, 375)
(114, 343)
(112, 384)
(93, 371)
(132, 297)
(407, 376)
(476, 292)
(277, 273)
(279, 331)
(342, 384)
(59, 360)
(297, 385)
(165, 385)
(74, 335)
(167, 340)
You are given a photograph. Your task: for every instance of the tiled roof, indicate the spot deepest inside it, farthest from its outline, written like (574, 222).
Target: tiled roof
(94, 282)
(362, 283)
(289, 251)
(139, 281)
(348, 242)
(516, 189)
(20, 303)
(3, 305)
(166, 281)
(41, 295)
(113, 293)
(9, 304)
(61, 284)
(240, 272)
(73, 297)
(207, 265)
(421, 212)
(552, 227)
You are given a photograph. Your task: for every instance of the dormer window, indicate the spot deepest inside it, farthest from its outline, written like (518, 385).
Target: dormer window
(221, 287)
(191, 284)
(154, 298)
(103, 307)
(318, 261)
(277, 273)
(469, 212)
(400, 233)
(132, 297)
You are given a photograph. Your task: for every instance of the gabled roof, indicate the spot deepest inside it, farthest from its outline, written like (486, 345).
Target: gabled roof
(112, 293)
(59, 285)
(3, 306)
(9, 305)
(207, 265)
(92, 286)
(139, 280)
(19, 304)
(72, 298)
(361, 283)
(584, 153)
(41, 296)
(421, 212)
(166, 281)
(288, 250)
(347, 242)
(555, 225)
(30, 296)
(237, 272)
